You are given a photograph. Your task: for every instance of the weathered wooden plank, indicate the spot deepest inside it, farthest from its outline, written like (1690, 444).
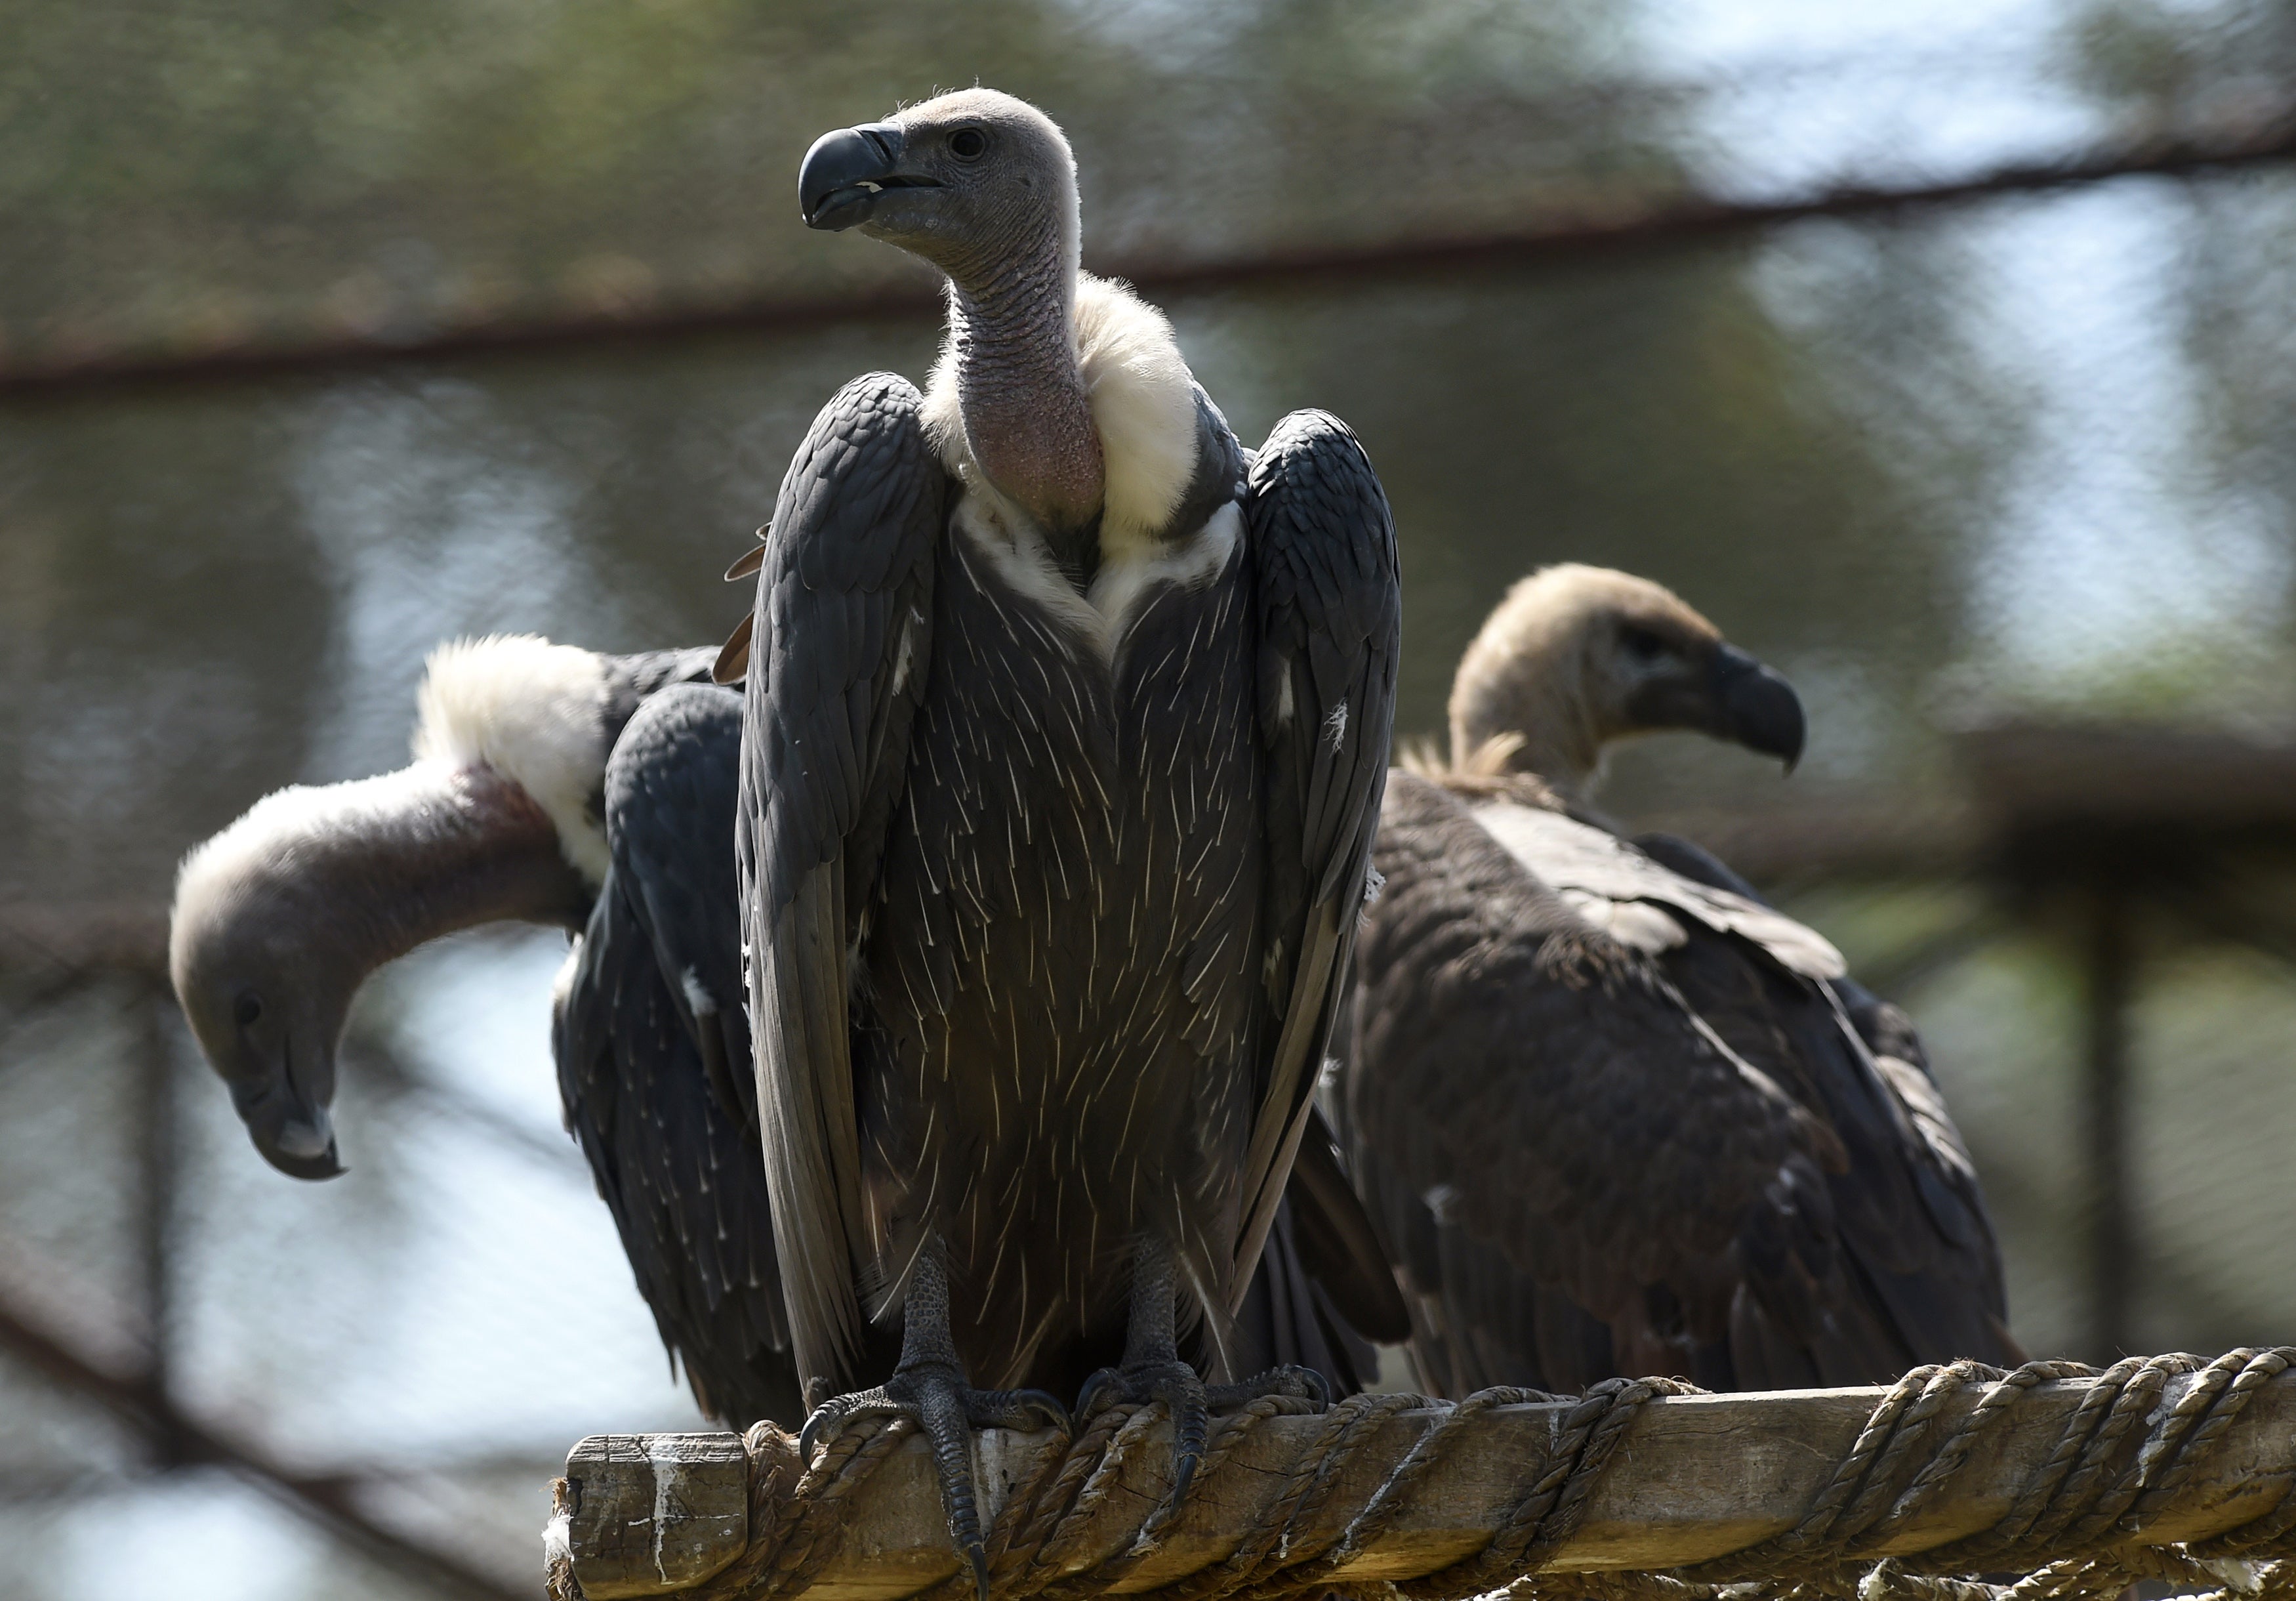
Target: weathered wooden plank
(651, 1513)
(1697, 1477)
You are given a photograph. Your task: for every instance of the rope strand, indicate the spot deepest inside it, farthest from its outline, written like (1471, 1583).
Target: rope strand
(2123, 1462)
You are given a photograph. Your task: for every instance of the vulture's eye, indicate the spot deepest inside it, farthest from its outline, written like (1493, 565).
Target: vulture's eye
(1641, 644)
(968, 144)
(246, 1010)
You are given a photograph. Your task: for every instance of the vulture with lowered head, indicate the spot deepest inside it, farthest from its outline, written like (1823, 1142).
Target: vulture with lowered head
(1615, 1114)
(513, 811)
(1067, 725)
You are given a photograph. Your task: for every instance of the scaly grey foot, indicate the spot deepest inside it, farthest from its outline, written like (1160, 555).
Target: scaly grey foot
(934, 1393)
(1192, 1401)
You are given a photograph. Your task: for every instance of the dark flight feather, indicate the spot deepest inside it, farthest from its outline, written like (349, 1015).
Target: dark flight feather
(1328, 596)
(844, 589)
(651, 1043)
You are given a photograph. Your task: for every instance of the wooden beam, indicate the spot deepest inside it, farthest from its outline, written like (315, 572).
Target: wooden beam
(1697, 1477)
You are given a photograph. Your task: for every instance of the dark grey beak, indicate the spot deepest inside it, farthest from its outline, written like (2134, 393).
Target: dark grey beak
(1762, 711)
(842, 175)
(296, 1138)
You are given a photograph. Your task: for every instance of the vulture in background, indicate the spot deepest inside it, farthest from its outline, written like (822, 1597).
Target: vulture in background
(1066, 726)
(1615, 1115)
(513, 810)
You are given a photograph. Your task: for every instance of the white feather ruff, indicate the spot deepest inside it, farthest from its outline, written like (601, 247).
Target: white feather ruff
(1143, 406)
(1143, 409)
(534, 712)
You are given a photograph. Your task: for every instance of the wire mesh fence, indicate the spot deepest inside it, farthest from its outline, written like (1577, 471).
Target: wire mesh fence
(2027, 452)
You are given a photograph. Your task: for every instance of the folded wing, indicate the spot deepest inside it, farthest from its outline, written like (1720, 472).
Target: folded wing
(842, 647)
(1327, 595)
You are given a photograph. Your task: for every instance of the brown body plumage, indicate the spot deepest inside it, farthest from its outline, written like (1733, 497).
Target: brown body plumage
(1617, 1115)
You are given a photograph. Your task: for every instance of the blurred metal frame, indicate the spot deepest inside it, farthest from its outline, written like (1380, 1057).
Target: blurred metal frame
(1561, 237)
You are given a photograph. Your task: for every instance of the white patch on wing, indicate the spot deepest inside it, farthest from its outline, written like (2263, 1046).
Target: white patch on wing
(1635, 923)
(906, 661)
(534, 712)
(561, 990)
(698, 1000)
(1335, 727)
(1614, 886)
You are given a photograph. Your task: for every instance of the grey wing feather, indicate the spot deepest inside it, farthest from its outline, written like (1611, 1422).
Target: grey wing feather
(1944, 1176)
(681, 760)
(633, 680)
(841, 651)
(1531, 1110)
(1329, 611)
(672, 1159)
(1605, 879)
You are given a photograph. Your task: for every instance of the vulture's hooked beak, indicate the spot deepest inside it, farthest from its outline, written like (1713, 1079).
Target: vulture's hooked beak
(845, 171)
(292, 1129)
(1759, 707)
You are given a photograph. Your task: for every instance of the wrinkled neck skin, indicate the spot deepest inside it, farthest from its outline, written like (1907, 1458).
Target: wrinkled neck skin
(427, 851)
(1028, 419)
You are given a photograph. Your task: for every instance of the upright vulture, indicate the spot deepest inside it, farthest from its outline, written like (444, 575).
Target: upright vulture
(1066, 728)
(513, 809)
(1615, 1114)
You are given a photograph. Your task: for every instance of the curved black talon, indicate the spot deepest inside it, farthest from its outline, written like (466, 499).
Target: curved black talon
(827, 1420)
(1289, 1378)
(1025, 1409)
(946, 1411)
(1191, 1402)
(1182, 1391)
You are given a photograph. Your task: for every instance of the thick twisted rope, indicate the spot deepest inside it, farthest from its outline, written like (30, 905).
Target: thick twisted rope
(2074, 1529)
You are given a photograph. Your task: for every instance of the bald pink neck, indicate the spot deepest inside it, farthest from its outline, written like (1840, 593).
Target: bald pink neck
(1027, 417)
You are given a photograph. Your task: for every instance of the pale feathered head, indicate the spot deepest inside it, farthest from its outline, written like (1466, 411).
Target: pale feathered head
(1576, 657)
